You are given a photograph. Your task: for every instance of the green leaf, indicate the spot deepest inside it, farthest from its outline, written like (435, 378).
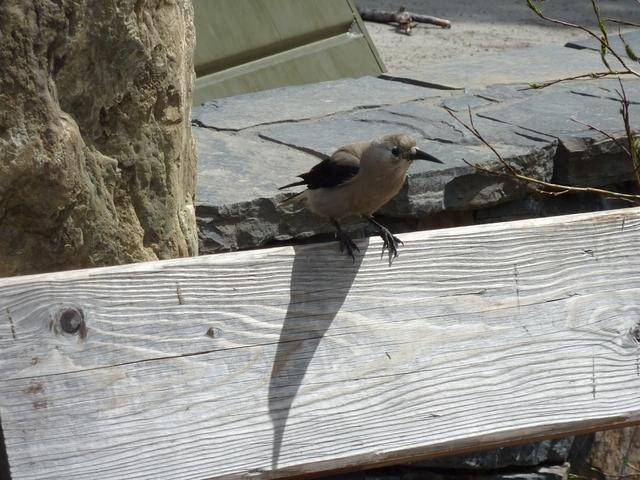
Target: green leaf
(636, 146)
(535, 85)
(534, 7)
(601, 25)
(603, 52)
(628, 50)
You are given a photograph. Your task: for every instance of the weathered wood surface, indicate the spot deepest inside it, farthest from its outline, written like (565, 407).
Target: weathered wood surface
(284, 361)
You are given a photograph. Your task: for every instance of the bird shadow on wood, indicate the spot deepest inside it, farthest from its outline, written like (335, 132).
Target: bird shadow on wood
(319, 287)
(4, 459)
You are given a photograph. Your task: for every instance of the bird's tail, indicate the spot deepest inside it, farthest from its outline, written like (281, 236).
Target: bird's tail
(294, 199)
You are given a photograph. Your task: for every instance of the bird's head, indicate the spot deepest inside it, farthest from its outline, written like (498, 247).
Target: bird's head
(402, 148)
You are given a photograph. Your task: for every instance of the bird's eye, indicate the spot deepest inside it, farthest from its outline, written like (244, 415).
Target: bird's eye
(395, 151)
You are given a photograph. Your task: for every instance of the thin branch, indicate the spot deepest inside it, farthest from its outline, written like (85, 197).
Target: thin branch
(591, 76)
(534, 183)
(617, 141)
(632, 466)
(474, 131)
(604, 44)
(622, 22)
(627, 128)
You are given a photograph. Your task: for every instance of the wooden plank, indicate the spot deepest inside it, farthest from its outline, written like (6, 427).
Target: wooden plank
(286, 361)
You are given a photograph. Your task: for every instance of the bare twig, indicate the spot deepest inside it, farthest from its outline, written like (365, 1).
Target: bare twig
(440, 22)
(617, 141)
(632, 466)
(474, 131)
(541, 186)
(592, 76)
(622, 22)
(627, 128)
(604, 42)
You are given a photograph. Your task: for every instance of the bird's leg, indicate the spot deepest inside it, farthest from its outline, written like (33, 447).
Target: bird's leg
(345, 241)
(389, 241)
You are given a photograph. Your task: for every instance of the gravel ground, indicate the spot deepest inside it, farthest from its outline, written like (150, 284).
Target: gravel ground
(483, 26)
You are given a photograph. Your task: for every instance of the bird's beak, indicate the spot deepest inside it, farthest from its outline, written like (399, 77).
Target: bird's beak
(420, 155)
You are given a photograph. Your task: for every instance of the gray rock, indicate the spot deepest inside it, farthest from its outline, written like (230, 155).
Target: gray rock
(522, 65)
(306, 101)
(530, 128)
(262, 221)
(438, 134)
(585, 157)
(632, 38)
(545, 460)
(549, 113)
(234, 169)
(256, 224)
(482, 97)
(546, 452)
(428, 124)
(560, 472)
(473, 191)
(589, 162)
(538, 205)
(431, 125)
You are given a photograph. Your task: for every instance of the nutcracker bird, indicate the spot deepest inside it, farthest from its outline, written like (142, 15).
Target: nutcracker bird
(358, 179)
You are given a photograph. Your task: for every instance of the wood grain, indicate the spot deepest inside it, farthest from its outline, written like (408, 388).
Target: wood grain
(286, 361)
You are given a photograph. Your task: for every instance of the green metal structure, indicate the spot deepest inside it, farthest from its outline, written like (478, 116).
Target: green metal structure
(251, 45)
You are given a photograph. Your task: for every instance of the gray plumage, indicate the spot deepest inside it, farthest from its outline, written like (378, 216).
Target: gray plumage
(358, 179)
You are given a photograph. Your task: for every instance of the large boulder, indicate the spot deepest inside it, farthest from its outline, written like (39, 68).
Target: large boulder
(97, 161)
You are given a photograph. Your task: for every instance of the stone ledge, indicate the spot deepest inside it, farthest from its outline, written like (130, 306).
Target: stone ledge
(522, 65)
(239, 172)
(242, 165)
(302, 102)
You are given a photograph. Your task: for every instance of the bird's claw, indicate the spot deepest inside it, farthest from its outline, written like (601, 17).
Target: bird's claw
(347, 244)
(391, 243)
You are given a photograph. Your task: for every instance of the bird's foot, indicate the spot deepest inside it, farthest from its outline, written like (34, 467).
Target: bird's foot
(390, 243)
(347, 244)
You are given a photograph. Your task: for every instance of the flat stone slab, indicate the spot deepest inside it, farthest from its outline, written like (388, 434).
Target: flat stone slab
(232, 169)
(522, 65)
(632, 38)
(433, 128)
(585, 159)
(239, 172)
(305, 102)
(551, 111)
(430, 187)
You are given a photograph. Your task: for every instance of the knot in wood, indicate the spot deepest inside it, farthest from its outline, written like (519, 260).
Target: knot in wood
(71, 320)
(635, 333)
(214, 332)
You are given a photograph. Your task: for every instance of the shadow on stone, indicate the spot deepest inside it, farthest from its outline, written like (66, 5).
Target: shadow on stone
(318, 290)
(468, 192)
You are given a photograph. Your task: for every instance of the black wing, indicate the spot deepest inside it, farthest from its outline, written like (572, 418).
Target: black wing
(331, 172)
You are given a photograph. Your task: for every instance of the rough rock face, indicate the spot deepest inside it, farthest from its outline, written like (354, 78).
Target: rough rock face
(616, 453)
(97, 162)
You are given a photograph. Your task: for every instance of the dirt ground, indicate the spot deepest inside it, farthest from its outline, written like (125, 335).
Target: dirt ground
(484, 26)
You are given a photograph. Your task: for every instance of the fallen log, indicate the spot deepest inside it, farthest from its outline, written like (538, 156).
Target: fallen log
(405, 20)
